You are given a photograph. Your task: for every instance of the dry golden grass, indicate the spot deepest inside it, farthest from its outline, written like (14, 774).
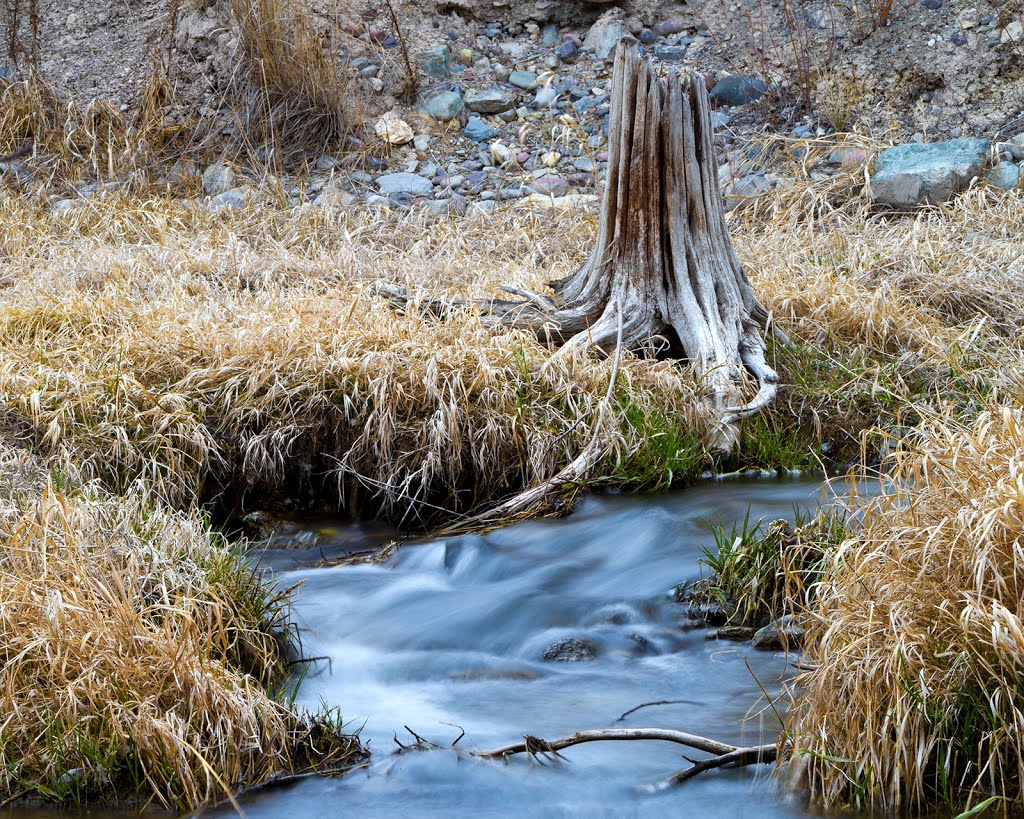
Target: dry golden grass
(240, 354)
(919, 640)
(135, 653)
(75, 142)
(210, 354)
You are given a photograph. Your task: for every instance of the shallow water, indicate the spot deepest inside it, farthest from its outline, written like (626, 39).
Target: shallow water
(451, 633)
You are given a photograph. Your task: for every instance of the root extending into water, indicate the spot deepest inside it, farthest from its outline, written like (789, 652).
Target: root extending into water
(724, 754)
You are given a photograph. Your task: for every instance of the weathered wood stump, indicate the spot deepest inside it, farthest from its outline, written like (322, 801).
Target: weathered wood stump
(663, 265)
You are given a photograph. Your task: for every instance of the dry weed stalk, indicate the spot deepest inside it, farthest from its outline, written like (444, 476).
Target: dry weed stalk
(291, 85)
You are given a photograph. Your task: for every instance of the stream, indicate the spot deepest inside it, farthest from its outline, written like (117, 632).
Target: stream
(452, 632)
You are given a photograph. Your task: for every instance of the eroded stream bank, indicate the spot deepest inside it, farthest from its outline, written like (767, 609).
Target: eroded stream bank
(452, 633)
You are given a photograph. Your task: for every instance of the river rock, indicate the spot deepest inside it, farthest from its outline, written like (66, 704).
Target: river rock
(550, 185)
(435, 63)
(568, 52)
(670, 53)
(527, 80)
(491, 101)
(926, 173)
(570, 650)
(1005, 175)
(392, 129)
(398, 183)
(735, 633)
(478, 130)
(738, 90)
(785, 633)
(218, 179)
(233, 199)
(666, 27)
(441, 105)
(605, 34)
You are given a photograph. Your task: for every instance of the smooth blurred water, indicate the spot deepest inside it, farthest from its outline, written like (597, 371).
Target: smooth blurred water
(451, 633)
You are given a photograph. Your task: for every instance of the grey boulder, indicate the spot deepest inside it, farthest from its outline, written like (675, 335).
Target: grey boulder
(926, 173)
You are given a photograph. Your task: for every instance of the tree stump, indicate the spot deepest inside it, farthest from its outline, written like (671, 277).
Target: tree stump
(663, 265)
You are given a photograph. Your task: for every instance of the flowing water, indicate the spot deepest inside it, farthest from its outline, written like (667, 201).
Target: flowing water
(449, 635)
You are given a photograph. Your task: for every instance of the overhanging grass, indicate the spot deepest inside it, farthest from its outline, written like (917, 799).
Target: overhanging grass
(917, 642)
(136, 654)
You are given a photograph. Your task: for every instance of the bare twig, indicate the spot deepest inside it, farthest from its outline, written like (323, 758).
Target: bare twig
(411, 84)
(636, 708)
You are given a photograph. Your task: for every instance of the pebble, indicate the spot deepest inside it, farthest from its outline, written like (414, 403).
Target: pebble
(218, 179)
(550, 185)
(441, 105)
(478, 130)
(738, 90)
(568, 52)
(670, 53)
(491, 101)
(527, 80)
(667, 27)
(410, 183)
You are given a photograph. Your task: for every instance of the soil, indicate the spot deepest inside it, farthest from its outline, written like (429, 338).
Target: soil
(936, 67)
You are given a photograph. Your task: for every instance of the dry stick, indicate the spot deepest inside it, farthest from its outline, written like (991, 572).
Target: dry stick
(410, 75)
(534, 744)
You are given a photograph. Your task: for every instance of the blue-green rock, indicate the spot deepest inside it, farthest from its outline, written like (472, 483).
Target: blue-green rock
(926, 173)
(441, 105)
(435, 63)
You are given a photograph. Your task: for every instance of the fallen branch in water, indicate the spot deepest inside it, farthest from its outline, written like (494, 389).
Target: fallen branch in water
(535, 745)
(724, 754)
(754, 755)
(635, 708)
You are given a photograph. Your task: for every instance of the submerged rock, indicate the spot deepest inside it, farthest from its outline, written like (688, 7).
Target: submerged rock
(570, 650)
(786, 633)
(926, 173)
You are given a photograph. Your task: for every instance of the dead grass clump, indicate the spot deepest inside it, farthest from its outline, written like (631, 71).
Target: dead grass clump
(134, 651)
(292, 88)
(916, 695)
(223, 357)
(72, 141)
